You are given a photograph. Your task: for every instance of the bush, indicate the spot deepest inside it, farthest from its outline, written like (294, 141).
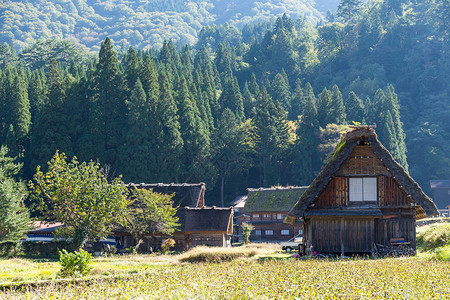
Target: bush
(74, 264)
(47, 249)
(8, 248)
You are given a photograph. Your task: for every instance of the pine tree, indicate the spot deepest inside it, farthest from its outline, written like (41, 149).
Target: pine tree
(337, 109)
(138, 143)
(195, 139)
(347, 9)
(50, 131)
(108, 107)
(296, 102)
(324, 108)
(226, 149)
(253, 85)
(280, 91)
(131, 68)
(273, 137)
(306, 160)
(14, 216)
(354, 108)
(169, 141)
(20, 108)
(231, 98)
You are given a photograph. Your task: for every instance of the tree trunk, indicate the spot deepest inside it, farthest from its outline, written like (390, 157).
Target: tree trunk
(221, 191)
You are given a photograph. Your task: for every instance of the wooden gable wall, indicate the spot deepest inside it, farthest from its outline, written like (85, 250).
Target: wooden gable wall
(363, 162)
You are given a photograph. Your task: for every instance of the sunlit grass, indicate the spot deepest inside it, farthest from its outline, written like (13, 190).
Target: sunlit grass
(394, 278)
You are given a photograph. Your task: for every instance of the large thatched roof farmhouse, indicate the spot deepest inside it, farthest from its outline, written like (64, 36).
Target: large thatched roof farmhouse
(361, 198)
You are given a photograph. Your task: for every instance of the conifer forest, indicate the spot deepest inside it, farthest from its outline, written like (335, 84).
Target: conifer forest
(236, 105)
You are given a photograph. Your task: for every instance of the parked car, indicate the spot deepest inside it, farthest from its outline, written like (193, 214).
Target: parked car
(295, 243)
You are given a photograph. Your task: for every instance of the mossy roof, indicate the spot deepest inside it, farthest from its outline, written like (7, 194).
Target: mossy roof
(345, 147)
(277, 199)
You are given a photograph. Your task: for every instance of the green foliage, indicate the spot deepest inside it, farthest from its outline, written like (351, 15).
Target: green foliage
(14, 216)
(79, 195)
(50, 249)
(74, 264)
(149, 212)
(246, 232)
(139, 24)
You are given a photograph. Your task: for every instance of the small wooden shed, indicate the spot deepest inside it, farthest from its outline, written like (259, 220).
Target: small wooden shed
(361, 198)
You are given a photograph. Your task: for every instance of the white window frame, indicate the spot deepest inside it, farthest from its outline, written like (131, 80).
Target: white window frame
(258, 232)
(284, 231)
(363, 189)
(268, 232)
(280, 216)
(255, 216)
(300, 231)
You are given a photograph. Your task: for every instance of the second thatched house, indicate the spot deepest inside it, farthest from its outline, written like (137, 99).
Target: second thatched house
(266, 208)
(362, 199)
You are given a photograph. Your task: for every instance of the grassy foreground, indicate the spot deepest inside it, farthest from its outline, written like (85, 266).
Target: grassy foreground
(395, 278)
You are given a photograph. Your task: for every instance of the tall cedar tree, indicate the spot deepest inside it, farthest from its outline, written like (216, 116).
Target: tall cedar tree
(354, 108)
(347, 9)
(226, 149)
(170, 142)
(231, 98)
(281, 92)
(296, 102)
(14, 216)
(138, 142)
(337, 113)
(108, 107)
(50, 131)
(306, 161)
(273, 137)
(195, 139)
(20, 107)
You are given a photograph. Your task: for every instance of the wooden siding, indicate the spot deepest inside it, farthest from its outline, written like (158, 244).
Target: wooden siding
(399, 227)
(391, 194)
(340, 235)
(362, 161)
(335, 194)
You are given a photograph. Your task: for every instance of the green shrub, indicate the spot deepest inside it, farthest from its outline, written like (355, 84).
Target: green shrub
(74, 264)
(47, 249)
(8, 248)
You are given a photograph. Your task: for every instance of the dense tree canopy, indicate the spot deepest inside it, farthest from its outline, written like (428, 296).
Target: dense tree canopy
(168, 115)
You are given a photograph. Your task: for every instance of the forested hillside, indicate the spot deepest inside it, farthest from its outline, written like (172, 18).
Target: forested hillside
(142, 24)
(259, 107)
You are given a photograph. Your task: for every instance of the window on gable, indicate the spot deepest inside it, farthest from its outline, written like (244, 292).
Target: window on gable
(363, 189)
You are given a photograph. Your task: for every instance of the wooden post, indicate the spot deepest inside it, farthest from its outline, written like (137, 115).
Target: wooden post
(342, 236)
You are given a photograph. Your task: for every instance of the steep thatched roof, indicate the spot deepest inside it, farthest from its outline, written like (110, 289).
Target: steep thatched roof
(186, 194)
(343, 150)
(273, 199)
(208, 219)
